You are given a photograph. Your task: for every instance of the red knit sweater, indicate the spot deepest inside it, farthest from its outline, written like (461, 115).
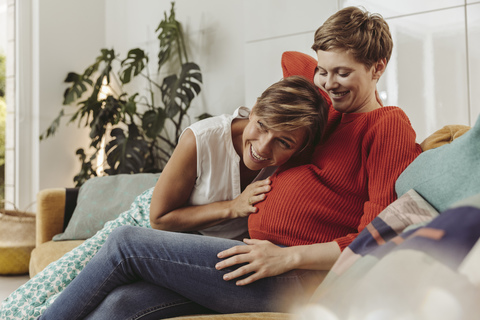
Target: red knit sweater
(350, 181)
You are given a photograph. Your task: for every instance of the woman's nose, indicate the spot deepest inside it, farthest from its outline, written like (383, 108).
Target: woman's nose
(264, 146)
(329, 82)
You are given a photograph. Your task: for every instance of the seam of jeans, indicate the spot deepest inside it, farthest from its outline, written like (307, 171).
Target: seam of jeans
(123, 261)
(172, 262)
(288, 276)
(97, 291)
(160, 307)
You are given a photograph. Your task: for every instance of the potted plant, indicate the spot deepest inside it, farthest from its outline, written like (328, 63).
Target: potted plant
(145, 125)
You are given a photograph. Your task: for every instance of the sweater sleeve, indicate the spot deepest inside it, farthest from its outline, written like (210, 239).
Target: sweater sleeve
(388, 148)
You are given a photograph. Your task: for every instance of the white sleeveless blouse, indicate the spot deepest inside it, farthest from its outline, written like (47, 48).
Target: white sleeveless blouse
(218, 170)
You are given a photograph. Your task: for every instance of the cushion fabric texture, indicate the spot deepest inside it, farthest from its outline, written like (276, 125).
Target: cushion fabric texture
(444, 136)
(48, 252)
(447, 174)
(102, 199)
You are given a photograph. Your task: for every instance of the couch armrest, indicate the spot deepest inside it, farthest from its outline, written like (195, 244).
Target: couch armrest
(50, 214)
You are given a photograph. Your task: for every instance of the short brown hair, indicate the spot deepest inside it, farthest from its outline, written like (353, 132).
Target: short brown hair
(365, 35)
(292, 103)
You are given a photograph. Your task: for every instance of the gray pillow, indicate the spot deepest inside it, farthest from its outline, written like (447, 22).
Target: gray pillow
(447, 174)
(102, 199)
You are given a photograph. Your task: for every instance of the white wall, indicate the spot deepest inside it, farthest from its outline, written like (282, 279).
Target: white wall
(433, 74)
(70, 34)
(275, 26)
(430, 75)
(215, 35)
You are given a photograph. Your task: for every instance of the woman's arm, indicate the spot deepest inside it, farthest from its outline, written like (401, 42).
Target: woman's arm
(265, 259)
(169, 209)
(391, 148)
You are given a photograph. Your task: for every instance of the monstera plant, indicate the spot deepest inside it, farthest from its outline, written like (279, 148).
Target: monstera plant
(144, 126)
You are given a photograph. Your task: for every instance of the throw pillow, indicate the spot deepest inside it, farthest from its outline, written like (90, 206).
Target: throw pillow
(443, 136)
(102, 199)
(424, 273)
(407, 212)
(447, 174)
(296, 63)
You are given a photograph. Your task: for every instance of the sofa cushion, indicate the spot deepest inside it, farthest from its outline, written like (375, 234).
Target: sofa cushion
(48, 252)
(408, 211)
(296, 63)
(102, 199)
(447, 174)
(444, 136)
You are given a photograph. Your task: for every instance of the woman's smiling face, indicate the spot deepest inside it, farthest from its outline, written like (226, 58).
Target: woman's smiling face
(264, 147)
(349, 84)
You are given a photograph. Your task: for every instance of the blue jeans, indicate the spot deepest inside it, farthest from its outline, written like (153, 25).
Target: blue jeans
(142, 273)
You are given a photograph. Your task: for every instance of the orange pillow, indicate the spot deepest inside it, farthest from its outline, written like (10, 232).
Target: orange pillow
(296, 63)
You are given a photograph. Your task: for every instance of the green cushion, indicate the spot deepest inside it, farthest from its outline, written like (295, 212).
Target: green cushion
(102, 199)
(447, 174)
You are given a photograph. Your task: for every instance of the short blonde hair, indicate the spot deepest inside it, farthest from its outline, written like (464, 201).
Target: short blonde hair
(292, 103)
(365, 35)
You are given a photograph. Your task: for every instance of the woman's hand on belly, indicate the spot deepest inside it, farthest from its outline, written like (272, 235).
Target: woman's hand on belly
(243, 205)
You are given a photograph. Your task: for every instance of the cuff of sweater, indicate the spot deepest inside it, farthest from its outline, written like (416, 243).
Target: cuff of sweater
(343, 242)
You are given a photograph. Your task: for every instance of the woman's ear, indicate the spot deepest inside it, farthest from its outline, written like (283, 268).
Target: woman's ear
(379, 68)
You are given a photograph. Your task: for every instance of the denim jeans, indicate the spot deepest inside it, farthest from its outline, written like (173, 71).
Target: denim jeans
(142, 273)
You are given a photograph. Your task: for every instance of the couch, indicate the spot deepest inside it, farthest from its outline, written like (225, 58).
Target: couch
(56, 207)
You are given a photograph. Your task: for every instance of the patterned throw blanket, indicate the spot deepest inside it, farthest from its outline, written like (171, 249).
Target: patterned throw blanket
(30, 300)
(409, 263)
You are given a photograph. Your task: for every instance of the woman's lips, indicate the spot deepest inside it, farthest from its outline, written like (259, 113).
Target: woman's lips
(255, 155)
(338, 95)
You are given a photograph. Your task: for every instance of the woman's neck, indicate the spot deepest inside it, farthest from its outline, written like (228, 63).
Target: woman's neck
(246, 175)
(238, 125)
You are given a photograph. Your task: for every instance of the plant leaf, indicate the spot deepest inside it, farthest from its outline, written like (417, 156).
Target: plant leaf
(105, 74)
(130, 107)
(53, 126)
(107, 56)
(171, 39)
(178, 92)
(88, 107)
(86, 171)
(77, 88)
(134, 63)
(153, 122)
(80, 82)
(109, 113)
(126, 154)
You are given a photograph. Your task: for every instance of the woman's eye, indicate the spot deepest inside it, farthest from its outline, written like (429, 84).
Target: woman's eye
(322, 72)
(261, 125)
(344, 75)
(284, 144)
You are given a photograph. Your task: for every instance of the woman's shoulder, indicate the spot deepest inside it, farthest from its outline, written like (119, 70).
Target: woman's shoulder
(212, 122)
(388, 116)
(389, 124)
(219, 122)
(388, 111)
